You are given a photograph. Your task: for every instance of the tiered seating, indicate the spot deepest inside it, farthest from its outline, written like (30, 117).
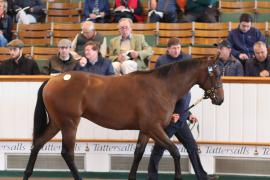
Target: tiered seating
(203, 51)
(208, 34)
(149, 30)
(262, 11)
(42, 54)
(63, 12)
(179, 30)
(35, 34)
(63, 30)
(231, 10)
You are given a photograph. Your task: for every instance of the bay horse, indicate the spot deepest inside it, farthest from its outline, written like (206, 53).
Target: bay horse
(141, 101)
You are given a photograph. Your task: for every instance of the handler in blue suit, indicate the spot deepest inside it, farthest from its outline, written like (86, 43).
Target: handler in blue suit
(180, 129)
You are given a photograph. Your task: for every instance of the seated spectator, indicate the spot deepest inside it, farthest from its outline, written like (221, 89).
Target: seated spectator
(128, 9)
(95, 62)
(228, 64)
(88, 33)
(129, 52)
(5, 25)
(96, 10)
(18, 64)
(243, 38)
(173, 54)
(260, 64)
(201, 11)
(163, 11)
(63, 61)
(28, 11)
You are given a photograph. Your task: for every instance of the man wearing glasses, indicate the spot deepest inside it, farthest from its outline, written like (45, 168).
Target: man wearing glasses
(63, 61)
(18, 64)
(129, 52)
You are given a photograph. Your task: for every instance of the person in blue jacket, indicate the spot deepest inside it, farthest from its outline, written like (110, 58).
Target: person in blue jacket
(244, 37)
(180, 129)
(95, 63)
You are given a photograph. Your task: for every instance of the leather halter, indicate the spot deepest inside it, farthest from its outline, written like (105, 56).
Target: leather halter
(214, 76)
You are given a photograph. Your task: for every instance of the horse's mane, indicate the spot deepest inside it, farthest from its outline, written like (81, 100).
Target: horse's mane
(185, 65)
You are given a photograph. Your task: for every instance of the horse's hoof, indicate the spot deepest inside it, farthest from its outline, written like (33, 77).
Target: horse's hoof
(178, 178)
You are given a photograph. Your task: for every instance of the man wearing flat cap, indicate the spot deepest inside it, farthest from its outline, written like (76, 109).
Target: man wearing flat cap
(228, 64)
(18, 64)
(63, 61)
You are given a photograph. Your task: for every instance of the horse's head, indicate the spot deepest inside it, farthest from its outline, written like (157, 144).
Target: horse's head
(212, 83)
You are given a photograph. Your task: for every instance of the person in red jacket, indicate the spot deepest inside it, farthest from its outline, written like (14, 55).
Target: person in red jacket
(128, 9)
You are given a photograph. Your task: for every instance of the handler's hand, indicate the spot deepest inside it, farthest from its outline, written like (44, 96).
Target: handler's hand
(192, 118)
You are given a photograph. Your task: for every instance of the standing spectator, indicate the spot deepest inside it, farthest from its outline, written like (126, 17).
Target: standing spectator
(260, 64)
(88, 34)
(201, 11)
(28, 11)
(5, 25)
(129, 52)
(63, 61)
(18, 64)
(95, 62)
(243, 38)
(228, 64)
(96, 10)
(180, 128)
(163, 11)
(128, 9)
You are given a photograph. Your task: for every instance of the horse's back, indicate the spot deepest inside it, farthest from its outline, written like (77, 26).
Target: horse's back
(67, 91)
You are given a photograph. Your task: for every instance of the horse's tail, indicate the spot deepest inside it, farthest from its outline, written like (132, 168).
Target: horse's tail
(40, 114)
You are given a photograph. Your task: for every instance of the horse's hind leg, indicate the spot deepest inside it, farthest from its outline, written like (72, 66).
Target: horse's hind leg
(68, 143)
(159, 135)
(38, 143)
(140, 148)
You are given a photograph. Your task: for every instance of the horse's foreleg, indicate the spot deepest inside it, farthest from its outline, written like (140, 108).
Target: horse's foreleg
(68, 143)
(140, 148)
(38, 143)
(159, 135)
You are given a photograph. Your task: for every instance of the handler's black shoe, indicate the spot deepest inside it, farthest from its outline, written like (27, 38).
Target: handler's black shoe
(212, 177)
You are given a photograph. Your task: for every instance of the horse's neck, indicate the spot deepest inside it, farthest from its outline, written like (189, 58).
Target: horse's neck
(180, 83)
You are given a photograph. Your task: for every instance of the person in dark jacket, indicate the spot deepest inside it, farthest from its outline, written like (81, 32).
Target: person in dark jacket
(5, 25)
(201, 11)
(260, 64)
(95, 63)
(163, 11)
(97, 11)
(243, 38)
(28, 11)
(18, 64)
(180, 129)
(228, 64)
(63, 61)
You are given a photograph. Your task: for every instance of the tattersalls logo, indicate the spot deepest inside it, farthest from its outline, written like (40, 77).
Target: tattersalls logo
(226, 150)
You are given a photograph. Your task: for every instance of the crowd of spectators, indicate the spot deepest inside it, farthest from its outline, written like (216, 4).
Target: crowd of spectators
(243, 53)
(128, 52)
